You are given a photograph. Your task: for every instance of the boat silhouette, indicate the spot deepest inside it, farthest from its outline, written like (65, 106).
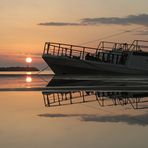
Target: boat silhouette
(109, 58)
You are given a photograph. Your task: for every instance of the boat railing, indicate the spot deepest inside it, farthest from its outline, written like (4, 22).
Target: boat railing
(104, 99)
(139, 45)
(107, 52)
(59, 49)
(72, 51)
(105, 45)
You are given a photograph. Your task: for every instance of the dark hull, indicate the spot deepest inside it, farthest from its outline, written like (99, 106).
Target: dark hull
(67, 66)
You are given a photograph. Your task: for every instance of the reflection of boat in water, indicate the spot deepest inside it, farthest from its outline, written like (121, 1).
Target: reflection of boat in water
(62, 91)
(109, 58)
(99, 83)
(137, 100)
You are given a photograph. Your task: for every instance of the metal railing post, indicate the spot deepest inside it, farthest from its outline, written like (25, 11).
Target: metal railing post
(70, 51)
(54, 50)
(59, 49)
(48, 47)
(44, 49)
(83, 57)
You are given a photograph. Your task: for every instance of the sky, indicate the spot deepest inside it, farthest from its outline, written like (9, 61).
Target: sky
(27, 24)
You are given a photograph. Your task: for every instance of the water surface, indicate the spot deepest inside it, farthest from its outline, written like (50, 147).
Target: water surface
(63, 116)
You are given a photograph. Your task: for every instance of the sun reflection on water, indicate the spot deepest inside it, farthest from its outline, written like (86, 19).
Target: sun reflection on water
(28, 79)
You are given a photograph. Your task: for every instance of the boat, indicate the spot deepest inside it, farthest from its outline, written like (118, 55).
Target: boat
(109, 58)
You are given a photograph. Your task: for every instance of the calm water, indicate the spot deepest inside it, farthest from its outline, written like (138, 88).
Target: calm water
(74, 113)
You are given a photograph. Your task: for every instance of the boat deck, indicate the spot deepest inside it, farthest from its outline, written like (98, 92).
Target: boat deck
(107, 52)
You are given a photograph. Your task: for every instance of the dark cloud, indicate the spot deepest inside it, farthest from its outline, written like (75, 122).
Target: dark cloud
(132, 120)
(62, 115)
(59, 24)
(141, 120)
(141, 19)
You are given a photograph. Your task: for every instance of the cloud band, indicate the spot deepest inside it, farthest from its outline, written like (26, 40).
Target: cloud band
(141, 19)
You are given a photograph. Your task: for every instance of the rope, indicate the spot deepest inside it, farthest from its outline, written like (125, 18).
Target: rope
(38, 73)
(112, 35)
(42, 70)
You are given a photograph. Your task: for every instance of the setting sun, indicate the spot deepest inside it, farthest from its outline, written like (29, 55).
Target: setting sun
(28, 60)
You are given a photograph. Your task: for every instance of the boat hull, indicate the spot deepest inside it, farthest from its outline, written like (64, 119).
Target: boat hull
(62, 65)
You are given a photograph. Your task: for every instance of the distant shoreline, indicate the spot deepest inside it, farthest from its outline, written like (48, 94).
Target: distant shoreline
(10, 69)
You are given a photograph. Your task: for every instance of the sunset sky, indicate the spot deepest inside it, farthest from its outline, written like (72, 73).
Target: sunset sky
(27, 24)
